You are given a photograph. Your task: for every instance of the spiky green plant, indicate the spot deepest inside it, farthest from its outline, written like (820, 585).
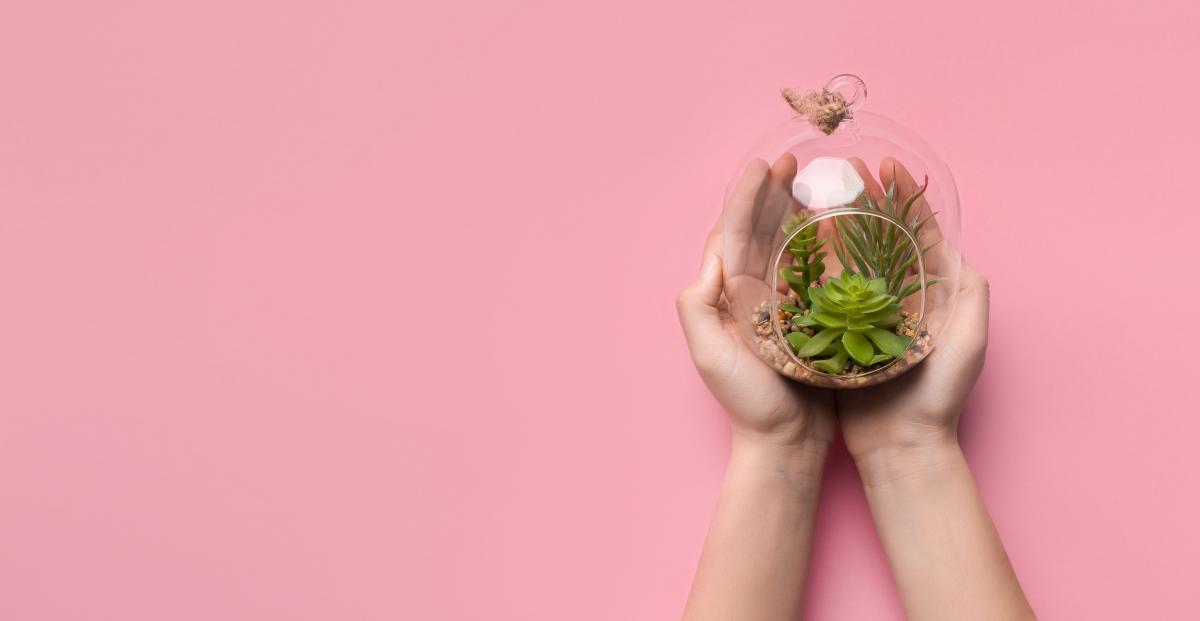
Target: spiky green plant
(851, 316)
(876, 248)
(805, 249)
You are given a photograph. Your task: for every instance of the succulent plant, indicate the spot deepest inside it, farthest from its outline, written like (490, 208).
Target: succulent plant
(852, 317)
(804, 248)
(875, 248)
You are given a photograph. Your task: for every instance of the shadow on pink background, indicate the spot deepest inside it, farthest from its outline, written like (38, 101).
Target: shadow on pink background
(363, 310)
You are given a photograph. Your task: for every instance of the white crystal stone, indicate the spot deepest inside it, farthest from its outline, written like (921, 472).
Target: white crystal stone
(827, 182)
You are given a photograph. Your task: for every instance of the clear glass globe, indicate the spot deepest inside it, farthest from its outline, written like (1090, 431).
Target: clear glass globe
(840, 248)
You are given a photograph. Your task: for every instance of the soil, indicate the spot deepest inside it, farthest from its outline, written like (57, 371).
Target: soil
(778, 353)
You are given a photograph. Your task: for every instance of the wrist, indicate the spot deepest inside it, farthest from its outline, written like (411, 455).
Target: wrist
(889, 464)
(798, 463)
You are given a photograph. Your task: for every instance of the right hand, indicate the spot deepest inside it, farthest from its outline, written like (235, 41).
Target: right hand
(921, 408)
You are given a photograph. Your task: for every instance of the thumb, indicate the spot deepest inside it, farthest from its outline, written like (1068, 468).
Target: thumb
(697, 305)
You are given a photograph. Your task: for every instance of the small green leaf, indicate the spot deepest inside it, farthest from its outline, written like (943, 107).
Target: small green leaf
(829, 365)
(889, 343)
(788, 272)
(840, 251)
(834, 365)
(913, 199)
(858, 245)
(888, 322)
(859, 347)
(910, 289)
(832, 297)
(837, 287)
(921, 222)
(881, 318)
(829, 321)
(858, 323)
(818, 343)
(805, 321)
(876, 303)
(797, 339)
(879, 358)
(791, 308)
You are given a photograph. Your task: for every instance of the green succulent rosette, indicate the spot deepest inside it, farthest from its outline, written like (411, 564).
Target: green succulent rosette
(852, 317)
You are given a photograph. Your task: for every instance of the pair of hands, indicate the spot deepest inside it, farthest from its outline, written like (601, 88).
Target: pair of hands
(918, 410)
(945, 555)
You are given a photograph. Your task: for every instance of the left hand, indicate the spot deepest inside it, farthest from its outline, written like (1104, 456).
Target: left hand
(763, 405)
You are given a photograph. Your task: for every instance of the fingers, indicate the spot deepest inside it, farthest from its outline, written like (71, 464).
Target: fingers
(969, 326)
(783, 171)
(778, 208)
(697, 307)
(712, 244)
(757, 208)
(940, 259)
(873, 188)
(746, 193)
(777, 204)
(892, 171)
(740, 215)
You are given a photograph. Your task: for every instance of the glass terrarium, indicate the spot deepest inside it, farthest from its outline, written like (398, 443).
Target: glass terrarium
(840, 237)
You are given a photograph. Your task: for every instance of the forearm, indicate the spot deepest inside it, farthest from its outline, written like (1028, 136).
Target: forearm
(945, 555)
(755, 558)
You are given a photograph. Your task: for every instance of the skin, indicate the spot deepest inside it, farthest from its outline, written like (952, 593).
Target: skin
(756, 555)
(944, 553)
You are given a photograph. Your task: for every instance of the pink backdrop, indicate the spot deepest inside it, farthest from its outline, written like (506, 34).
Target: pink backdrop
(364, 310)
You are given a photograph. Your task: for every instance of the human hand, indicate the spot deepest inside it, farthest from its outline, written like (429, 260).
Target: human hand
(755, 559)
(912, 421)
(763, 406)
(946, 557)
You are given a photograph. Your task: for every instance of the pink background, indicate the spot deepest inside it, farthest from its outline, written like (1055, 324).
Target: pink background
(364, 310)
